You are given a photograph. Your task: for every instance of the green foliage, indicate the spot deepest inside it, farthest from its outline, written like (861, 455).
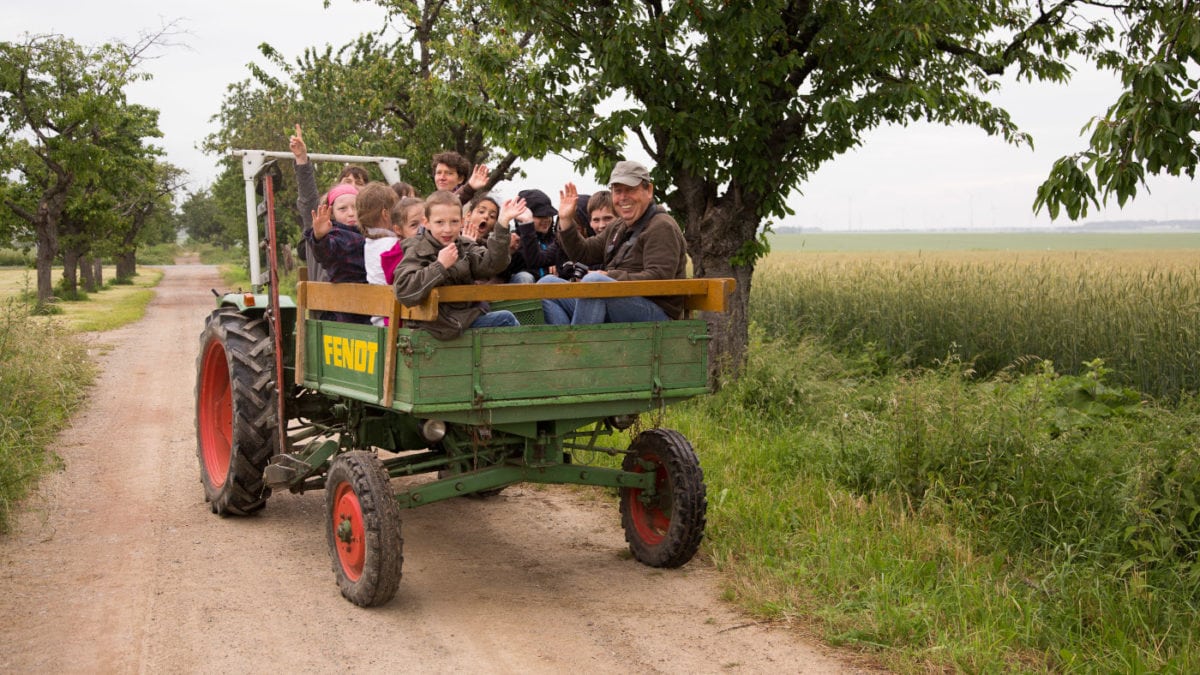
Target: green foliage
(751, 98)
(44, 308)
(64, 291)
(44, 374)
(1153, 127)
(81, 150)
(438, 76)
(942, 520)
(159, 254)
(205, 221)
(215, 255)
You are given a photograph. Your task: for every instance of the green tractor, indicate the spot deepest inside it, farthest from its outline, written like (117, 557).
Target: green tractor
(285, 400)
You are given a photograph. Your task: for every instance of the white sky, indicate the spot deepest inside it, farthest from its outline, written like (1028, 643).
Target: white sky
(918, 177)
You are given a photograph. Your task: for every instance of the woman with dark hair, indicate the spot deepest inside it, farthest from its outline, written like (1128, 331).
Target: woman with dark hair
(452, 173)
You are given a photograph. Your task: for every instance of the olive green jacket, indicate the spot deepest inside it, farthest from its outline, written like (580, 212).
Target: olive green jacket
(419, 272)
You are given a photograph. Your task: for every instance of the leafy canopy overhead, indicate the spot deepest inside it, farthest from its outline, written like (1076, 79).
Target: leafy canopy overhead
(71, 146)
(1153, 127)
(435, 76)
(753, 97)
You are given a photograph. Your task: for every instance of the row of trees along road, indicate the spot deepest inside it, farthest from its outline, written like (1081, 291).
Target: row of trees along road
(78, 175)
(736, 102)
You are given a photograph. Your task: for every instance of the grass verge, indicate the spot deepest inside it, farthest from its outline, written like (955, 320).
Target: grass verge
(1025, 522)
(115, 305)
(44, 376)
(45, 372)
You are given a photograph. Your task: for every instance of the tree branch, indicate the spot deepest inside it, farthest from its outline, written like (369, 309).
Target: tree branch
(997, 66)
(650, 150)
(20, 211)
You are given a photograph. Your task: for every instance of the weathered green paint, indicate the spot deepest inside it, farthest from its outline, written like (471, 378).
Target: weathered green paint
(517, 401)
(294, 469)
(554, 364)
(500, 476)
(345, 359)
(513, 375)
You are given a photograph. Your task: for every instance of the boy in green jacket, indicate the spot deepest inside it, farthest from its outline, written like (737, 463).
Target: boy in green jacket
(441, 256)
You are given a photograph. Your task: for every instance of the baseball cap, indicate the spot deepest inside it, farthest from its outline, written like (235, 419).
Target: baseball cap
(629, 173)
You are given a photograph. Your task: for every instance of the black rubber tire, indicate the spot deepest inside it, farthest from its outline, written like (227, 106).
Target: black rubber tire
(666, 530)
(236, 423)
(368, 554)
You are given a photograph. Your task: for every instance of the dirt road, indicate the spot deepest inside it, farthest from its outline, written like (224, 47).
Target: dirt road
(118, 566)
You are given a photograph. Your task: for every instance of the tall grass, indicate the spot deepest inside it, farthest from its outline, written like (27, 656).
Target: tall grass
(1142, 317)
(15, 258)
(1026, 521)
(44, 374)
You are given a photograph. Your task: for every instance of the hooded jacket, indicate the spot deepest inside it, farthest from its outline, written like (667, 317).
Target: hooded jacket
(419, 273)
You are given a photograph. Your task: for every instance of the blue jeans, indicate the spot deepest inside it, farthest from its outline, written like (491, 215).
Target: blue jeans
(522, 277)
(582, 311)
(496, 319)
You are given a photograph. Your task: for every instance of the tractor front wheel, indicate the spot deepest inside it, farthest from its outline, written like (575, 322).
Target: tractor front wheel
(236, 422)
(363, 529)
(664, 529)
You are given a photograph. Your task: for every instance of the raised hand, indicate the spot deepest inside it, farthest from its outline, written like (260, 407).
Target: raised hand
(567, 197)
(479, 177)
(297, 146)
(511, 208)
(448, 255)
(471, 230)
(321, 223)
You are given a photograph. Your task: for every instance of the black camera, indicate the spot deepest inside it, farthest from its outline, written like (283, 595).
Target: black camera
(572, 271)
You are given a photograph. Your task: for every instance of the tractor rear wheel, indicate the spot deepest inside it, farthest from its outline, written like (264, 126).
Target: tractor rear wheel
(664, 529)
(236, 422)
(363, 529)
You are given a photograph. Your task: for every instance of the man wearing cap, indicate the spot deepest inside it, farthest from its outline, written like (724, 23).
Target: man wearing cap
(643, 244)
(539, 246)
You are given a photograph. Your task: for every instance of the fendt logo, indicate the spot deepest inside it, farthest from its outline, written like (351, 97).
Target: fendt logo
(356, 355)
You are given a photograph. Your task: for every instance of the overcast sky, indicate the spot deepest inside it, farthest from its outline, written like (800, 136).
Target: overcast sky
(920, 176)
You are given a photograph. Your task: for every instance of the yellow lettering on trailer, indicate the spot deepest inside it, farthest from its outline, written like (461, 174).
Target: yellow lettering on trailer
(356, 355)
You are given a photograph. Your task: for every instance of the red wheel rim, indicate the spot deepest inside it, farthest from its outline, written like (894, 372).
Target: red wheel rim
(347, 524)
(652, 520)
(215, 414)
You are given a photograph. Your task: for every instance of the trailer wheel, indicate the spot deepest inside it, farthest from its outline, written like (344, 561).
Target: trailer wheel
(235, 411)
(363, 529)
(664, 530)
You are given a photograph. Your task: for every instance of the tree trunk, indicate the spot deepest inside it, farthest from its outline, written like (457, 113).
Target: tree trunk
(87, 274)
(127, 265)
(70, 265)
(729, 329)
(47, 251)
(717, 233)
(45, 223)
(98, 272)
(45, 260)
(126, 259)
